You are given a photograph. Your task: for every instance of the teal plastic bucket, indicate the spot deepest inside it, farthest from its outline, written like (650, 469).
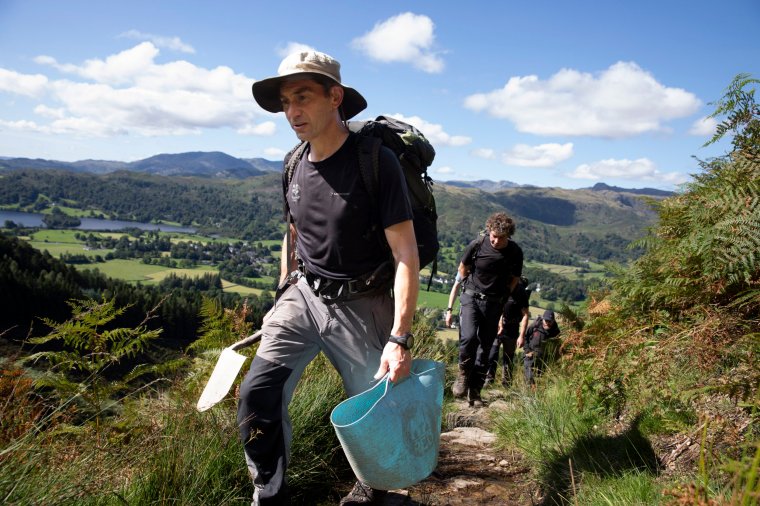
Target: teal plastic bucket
(391, 432)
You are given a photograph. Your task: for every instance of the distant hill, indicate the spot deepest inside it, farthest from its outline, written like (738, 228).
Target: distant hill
(218, 165)
(553, 224)
(638, 191)
(265, 165)
(496, 186)
(483, 184)
(213, 164)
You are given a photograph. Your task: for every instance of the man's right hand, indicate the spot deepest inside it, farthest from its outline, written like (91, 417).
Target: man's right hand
(396, 361)
(448, 319)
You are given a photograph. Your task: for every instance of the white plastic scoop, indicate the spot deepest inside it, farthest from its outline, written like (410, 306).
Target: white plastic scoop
(224, 374)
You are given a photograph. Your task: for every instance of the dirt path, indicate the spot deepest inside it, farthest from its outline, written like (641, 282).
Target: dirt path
(470, 470)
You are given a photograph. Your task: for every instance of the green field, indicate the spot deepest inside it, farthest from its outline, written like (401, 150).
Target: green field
(130, 270)
(593, 270)
(229, 286)
(448, 334)
(65, 236)
(61, 242)
(432, 299)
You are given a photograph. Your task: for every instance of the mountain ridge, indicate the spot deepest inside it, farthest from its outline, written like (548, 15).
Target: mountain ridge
(210, 164)
(220, 165)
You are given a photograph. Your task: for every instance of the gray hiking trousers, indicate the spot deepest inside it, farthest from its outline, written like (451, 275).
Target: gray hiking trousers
(351, 334)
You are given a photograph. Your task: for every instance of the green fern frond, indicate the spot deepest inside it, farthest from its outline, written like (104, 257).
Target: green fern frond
(90, 351)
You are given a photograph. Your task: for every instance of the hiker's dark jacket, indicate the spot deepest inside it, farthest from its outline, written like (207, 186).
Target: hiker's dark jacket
(537, 334)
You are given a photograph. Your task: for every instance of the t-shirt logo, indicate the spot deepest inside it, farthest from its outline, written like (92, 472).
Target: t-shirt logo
(295, 192)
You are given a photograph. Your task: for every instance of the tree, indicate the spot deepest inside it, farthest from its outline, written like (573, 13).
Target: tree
(59, 219)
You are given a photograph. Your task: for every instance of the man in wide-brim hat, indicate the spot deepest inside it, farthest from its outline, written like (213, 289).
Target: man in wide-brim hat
(339, 301)
(307, 65)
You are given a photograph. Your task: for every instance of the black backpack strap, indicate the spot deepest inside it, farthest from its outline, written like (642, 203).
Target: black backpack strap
(433, 270)
(475, 252)
(289, 166)
(292, 159)
(369, 164)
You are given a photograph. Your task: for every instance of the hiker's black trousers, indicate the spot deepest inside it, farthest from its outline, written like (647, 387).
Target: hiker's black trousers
(533, 361)
(508, 339)
(478, 322)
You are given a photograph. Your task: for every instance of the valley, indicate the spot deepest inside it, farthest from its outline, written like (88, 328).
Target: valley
(230, 226)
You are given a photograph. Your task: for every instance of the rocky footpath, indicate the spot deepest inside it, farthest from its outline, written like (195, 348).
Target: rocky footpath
(471, 470)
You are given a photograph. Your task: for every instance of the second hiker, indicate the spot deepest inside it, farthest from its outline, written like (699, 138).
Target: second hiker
(491, 267)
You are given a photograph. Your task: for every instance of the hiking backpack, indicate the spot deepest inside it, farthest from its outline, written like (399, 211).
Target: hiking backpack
(415, 154)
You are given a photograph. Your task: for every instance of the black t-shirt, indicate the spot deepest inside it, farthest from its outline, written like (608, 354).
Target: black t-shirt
(339, 228)
(493, 268)
(516, 302)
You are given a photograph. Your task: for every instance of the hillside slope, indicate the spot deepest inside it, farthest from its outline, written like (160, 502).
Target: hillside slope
(582, 224)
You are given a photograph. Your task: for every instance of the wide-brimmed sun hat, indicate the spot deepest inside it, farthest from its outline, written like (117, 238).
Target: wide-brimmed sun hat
(306, 63)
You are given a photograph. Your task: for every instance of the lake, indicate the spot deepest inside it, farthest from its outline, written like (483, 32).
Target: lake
(35, 220)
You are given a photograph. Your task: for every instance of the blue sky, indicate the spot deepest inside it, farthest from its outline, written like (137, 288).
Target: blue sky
(550, 93)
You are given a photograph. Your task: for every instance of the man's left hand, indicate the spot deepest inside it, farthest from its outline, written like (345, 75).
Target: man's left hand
(395, 360)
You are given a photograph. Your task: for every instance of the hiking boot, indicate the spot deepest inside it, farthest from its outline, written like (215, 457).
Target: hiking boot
(474, 399)
(363, 494)
(461, 384)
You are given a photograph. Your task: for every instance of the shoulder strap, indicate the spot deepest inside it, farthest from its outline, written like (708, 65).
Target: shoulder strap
(292, 159)
(369, 164)
(475, 252)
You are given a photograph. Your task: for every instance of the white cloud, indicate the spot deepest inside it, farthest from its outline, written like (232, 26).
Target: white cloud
(484, 153)
(406, 38)
(444, 170)
(433, 131)
(120, 68)
(128, 93)
(704, 127)
(640, 169)
(173, 43)
(265, 128)
(50, 112)
(543, 155)
(622, 101)
(30, 85)
(293, 47)
(274, 153)
(23, 126)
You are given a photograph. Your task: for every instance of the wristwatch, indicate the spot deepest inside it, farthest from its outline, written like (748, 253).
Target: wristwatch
(406, 341)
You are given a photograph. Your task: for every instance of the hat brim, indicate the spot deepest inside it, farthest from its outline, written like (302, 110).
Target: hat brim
(267, 94)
